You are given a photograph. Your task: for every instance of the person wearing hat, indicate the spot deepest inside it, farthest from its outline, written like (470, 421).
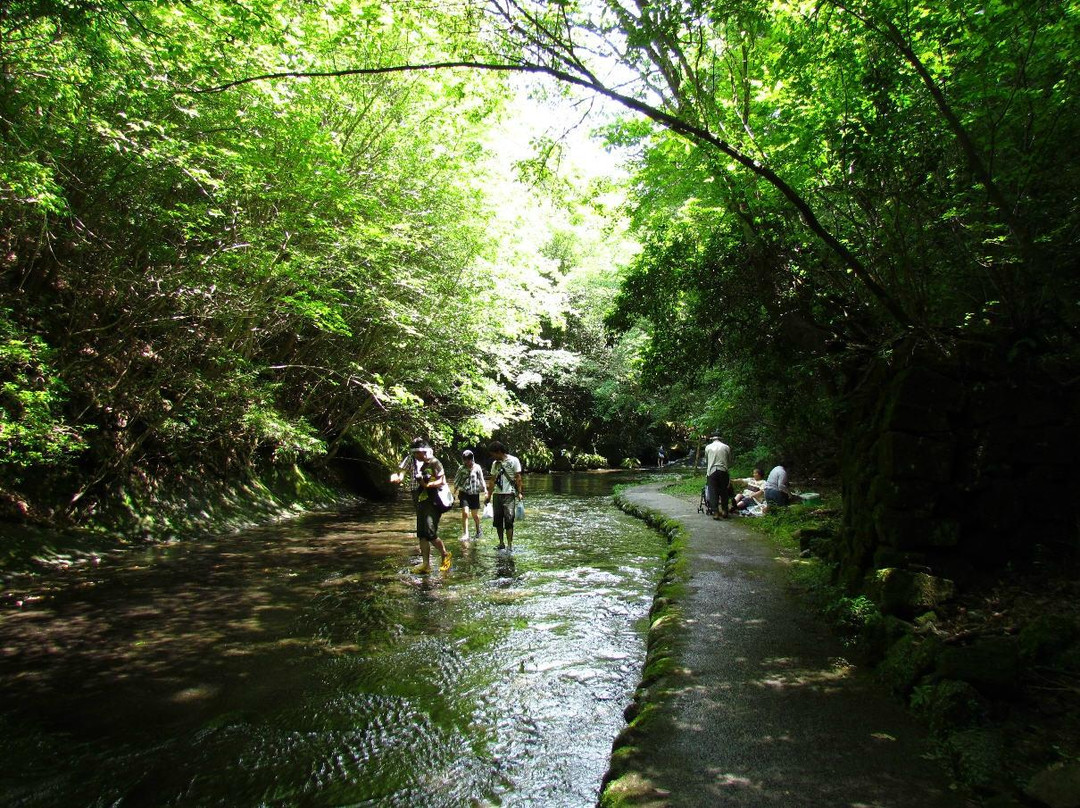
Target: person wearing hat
(468, 483)
(506, 491)
(427, 475)
(718, 476)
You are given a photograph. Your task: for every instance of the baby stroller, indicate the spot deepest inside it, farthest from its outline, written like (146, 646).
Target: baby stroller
(703, 505)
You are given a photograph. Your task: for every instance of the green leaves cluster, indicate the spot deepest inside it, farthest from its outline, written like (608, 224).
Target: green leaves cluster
(203, 282)
(823, 180)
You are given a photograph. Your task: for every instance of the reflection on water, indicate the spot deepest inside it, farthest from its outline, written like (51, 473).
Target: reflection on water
(305, 665)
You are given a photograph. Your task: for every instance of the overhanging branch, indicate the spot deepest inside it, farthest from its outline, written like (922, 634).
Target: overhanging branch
(669, 121)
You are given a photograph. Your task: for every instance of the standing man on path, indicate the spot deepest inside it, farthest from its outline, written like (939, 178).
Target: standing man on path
(718, 475)
(506, 490)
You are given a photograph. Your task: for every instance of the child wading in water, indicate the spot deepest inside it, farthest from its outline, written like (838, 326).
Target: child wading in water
(468, 483)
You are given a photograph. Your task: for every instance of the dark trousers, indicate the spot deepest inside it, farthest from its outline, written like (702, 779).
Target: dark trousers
(719, 483)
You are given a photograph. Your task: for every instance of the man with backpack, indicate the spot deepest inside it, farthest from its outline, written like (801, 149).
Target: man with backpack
(427, 476)
(506, 491)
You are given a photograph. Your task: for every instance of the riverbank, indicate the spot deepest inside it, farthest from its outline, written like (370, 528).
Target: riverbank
(747, 699)
(190, 508)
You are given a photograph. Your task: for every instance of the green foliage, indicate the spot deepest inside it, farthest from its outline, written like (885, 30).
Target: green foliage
(32, 428)
(271, 274)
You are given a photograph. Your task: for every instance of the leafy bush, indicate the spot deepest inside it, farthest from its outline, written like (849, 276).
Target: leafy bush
(588, 460)
(32, 429)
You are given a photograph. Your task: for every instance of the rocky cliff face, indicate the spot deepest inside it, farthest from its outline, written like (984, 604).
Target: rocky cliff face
(959, 460)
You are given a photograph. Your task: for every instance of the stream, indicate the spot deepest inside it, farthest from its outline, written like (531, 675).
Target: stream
(304, 664)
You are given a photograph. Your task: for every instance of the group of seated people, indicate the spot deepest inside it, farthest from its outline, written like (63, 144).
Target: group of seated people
(764, 491)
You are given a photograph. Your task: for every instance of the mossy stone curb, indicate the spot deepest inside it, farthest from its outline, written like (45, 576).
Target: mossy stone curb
(625, 782)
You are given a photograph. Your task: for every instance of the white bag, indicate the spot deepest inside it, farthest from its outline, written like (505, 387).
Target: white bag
(444, 498)
(489, 512)
(519, 511)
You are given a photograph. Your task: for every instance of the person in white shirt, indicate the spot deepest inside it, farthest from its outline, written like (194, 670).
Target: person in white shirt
(506, 490)
(718, 476)
(753, 494)
(776, 487)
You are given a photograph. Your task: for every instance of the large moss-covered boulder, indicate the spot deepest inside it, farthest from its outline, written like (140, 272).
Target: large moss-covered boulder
(949, 706)
(992, 665)
(1056, 787)
(1047, 637)
(978, 758)
(906, 593)
(907, 661)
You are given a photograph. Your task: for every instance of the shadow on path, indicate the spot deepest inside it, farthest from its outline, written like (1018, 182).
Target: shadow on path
(761, 708)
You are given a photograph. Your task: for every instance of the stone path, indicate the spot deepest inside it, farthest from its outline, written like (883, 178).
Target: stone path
(762, 709)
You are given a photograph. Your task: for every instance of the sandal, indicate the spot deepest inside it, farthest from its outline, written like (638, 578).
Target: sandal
(445, 565)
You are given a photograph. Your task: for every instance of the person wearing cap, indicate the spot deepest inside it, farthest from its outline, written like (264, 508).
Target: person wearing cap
(507, 490)
(468, 483)
(427, 475)
(718, 476)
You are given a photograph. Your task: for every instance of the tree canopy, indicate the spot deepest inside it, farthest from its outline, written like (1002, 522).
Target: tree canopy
(240, 234)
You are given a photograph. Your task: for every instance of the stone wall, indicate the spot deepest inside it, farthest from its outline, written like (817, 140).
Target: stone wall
(958, 461)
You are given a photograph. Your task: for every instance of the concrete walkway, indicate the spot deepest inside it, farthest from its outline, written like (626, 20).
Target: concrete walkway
(762, 709)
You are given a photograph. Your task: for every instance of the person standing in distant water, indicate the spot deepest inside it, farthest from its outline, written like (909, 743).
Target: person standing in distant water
(777, 491)
(718, 475)
(506, 490)
(661, 457)
(468, 483)
(427, 476)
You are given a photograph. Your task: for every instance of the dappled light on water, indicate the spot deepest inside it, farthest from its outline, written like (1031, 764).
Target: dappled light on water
(305, 664)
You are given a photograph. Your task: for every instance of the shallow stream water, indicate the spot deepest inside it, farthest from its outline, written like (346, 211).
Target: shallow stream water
(304, 664)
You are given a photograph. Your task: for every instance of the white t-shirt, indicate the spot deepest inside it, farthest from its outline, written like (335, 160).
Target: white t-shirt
(504, 483)
(717, 457)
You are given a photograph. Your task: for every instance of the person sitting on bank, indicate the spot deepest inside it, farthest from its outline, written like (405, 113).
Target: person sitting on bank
(777, 492)
(468, 483)
(506, 490)
(754, 492)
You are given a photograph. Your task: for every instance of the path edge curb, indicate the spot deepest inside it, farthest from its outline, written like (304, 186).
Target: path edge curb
(625, 782)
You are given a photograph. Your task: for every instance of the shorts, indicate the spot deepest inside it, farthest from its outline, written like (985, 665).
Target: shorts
(502, 510)
(469, 500)
(427, 518)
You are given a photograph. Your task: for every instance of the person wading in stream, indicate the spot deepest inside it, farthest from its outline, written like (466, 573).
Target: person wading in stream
(468, 483)
(506, 491)
(427, 476)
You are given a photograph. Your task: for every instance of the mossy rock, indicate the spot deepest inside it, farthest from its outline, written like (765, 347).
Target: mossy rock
(907, 661)
(905, 593)
(878, 636)
(949, 706)
(1057, 786)
(633, 789)
(1047, 637)
(978, 758)
(816, 540)
(991, 664)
